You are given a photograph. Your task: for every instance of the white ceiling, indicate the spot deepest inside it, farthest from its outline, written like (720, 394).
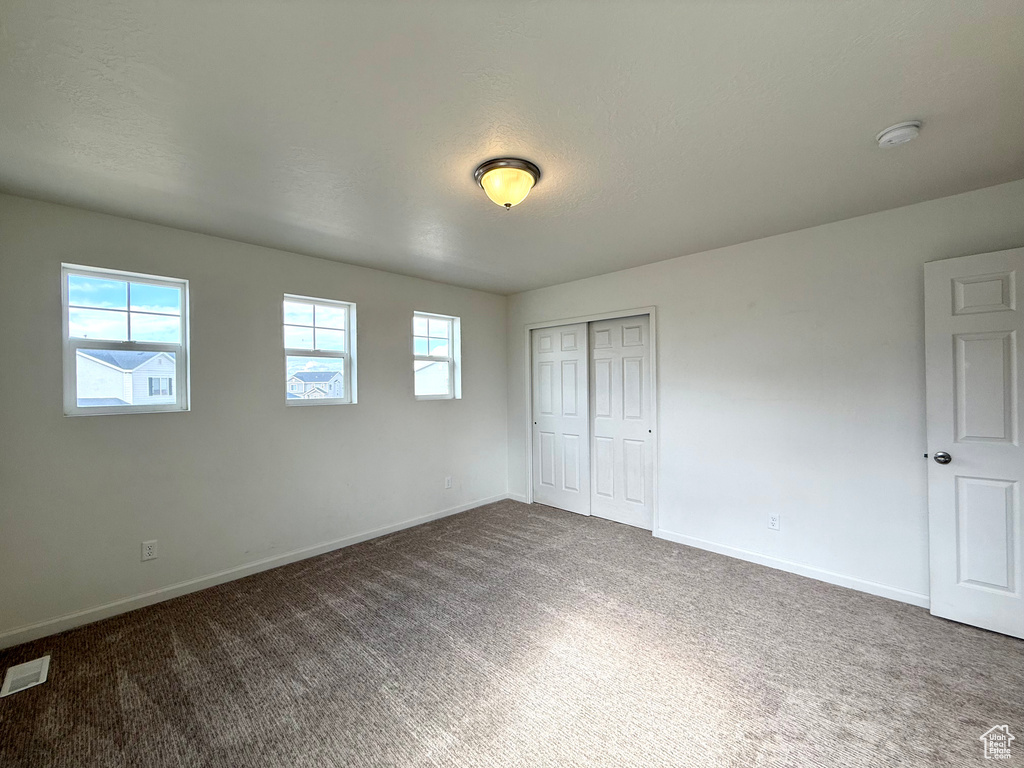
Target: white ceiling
(350, 130)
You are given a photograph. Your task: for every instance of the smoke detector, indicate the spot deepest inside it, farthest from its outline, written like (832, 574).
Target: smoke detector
(898, 134)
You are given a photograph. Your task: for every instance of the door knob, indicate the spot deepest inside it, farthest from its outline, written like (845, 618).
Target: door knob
(942, 457)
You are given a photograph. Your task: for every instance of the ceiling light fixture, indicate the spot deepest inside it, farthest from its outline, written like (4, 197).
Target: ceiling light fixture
(898, 134)
(507, 180)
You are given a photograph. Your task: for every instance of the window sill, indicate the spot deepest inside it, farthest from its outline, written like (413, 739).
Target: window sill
(318, 401)
(122, 411)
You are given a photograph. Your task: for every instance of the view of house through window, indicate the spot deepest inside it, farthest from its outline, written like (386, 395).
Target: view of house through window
(124, 341)
(436, 350)
(319, 350)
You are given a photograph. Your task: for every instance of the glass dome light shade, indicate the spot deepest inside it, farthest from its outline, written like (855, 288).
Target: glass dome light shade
(507, 186)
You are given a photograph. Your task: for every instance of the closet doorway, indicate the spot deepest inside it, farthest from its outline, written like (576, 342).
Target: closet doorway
(593, 417)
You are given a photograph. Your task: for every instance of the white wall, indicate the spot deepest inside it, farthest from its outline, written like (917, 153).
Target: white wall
(790, 371)
(241, 477)
(791, 378)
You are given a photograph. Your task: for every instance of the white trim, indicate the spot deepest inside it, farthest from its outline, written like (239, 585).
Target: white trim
(71, 346)
(454, 359)
(352, 385)
(651, 312)
(348, 356)
(87, 616)
(820, 574)
(518, 497)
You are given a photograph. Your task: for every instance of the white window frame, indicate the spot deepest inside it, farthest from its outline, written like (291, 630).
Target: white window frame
(348, 356)
(72, 345)
(454, 358)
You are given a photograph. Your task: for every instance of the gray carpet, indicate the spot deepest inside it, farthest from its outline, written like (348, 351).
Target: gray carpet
(517, 635)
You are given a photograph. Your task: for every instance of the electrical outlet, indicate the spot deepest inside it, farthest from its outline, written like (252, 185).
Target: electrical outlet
(149, 550)
(447, 483)
(773, 521)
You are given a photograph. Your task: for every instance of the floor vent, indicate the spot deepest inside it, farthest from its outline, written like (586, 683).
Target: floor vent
(25, 675)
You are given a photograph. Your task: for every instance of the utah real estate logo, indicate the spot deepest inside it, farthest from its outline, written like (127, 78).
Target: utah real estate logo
(997, 742)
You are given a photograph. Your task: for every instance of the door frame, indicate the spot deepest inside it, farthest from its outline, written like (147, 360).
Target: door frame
(651, 312)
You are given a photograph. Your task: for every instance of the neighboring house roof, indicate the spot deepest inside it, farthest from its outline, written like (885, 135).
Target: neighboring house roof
(126, 361)
(311, 377)
(293, 396)
(97, 401)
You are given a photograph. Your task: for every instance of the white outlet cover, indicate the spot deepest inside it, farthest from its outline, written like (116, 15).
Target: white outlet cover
(26, 675)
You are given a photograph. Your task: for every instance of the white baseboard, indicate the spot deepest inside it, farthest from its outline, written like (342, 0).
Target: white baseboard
(851, 582)
(517, 497)
(89, 615)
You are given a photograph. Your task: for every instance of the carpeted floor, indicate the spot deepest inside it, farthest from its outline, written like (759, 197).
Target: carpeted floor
(516, 635)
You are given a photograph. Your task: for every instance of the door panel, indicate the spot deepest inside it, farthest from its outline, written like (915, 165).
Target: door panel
(632, 388)
(973, 329)
(543, 395)
(633, 457)
(570, 388)
(986, 510)
(571, 462)
(561, 443)
(547, 459)
(986, 399)
(603, 387)
(604, 470)
(621, 425)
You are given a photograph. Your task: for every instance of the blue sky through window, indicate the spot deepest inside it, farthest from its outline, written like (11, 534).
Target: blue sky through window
(156, 298)
(98, 309)
(94, 292)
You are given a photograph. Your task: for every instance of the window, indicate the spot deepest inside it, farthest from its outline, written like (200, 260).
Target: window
(161, 386)
(436, 351)
(125, 342)
(320, 354)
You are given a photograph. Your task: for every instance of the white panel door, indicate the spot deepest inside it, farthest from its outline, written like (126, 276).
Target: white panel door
(974, 323)
(622, 439)
(561, 449)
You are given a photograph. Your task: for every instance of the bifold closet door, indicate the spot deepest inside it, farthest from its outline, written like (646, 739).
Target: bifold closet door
(561, 445)
(622, 427)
